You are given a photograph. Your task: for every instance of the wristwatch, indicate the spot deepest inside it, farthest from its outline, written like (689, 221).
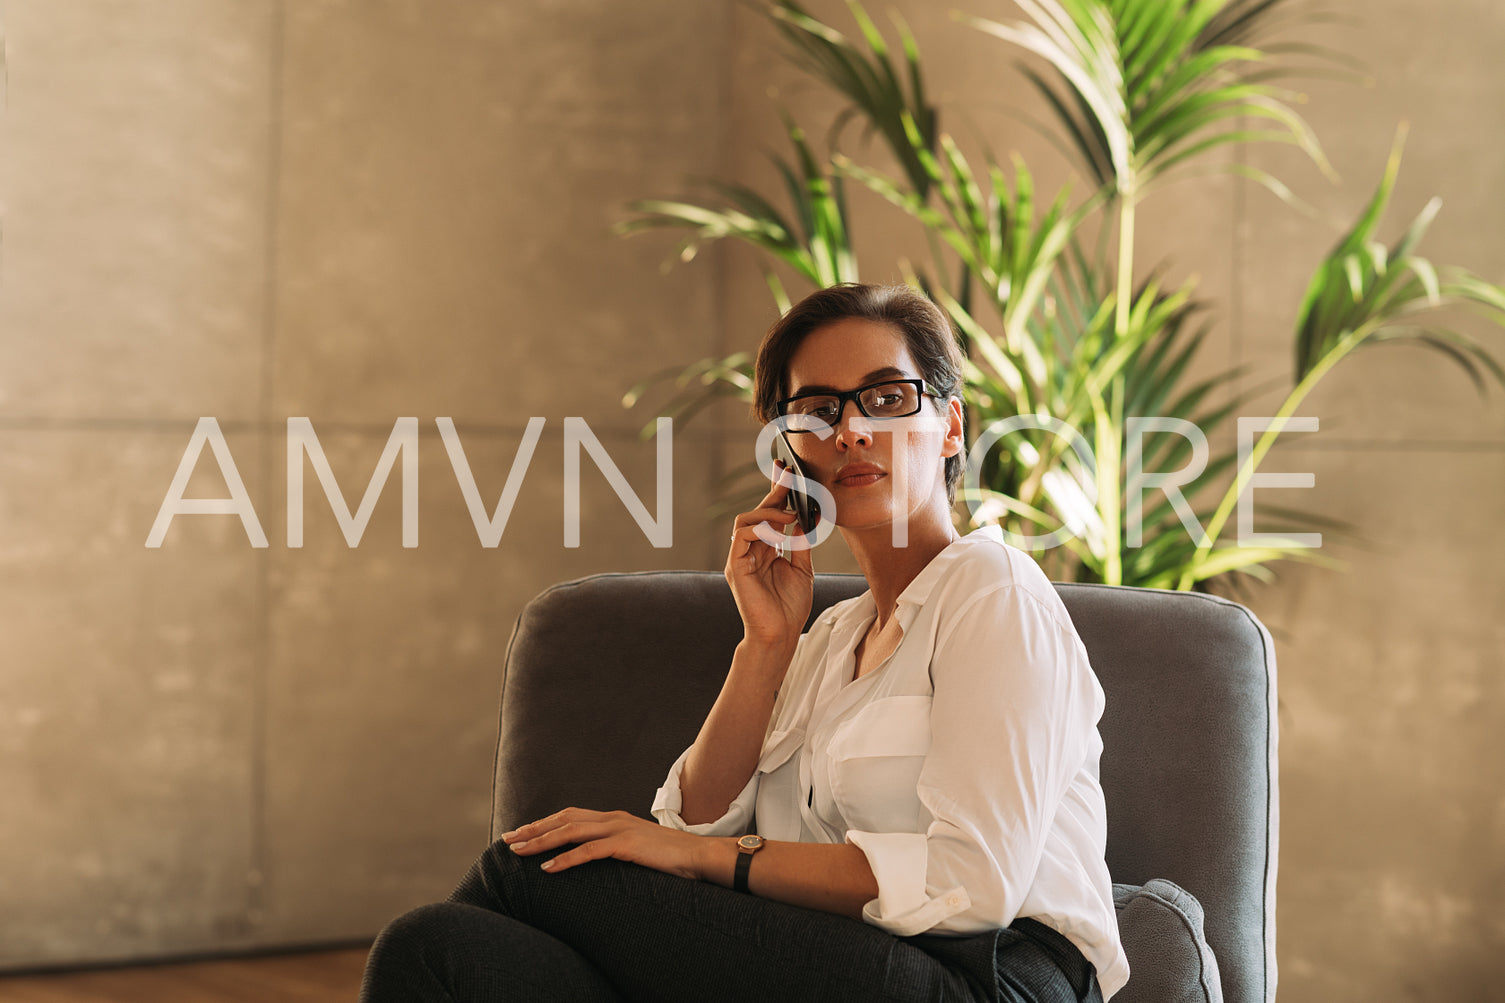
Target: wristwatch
(746, 847)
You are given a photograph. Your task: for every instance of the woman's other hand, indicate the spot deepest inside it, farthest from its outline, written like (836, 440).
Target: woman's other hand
(773, 593)
(615, 834)
(833, 877)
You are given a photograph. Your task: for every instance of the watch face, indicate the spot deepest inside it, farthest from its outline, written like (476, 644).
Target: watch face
(750, 842)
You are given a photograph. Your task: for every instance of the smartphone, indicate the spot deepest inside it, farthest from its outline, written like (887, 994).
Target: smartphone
(806, 508)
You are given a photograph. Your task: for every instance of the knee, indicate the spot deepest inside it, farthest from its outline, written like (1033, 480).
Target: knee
(407, 936)
(399, 966)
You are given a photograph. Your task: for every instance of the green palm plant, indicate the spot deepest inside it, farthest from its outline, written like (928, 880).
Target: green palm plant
(1362, 294)
(1144, 87)
(1062, 341)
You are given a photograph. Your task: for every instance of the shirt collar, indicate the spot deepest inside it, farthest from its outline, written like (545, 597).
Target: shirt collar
(917, 592)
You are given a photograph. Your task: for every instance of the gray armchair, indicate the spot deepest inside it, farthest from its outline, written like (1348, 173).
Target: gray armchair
(607, 680)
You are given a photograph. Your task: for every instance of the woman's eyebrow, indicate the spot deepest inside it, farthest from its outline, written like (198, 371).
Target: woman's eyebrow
(877, 375)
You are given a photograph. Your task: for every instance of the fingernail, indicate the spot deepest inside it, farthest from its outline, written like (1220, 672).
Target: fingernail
(519, 844)
(508, 837)
(547, 865)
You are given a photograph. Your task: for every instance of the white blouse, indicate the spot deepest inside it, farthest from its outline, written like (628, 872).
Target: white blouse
(965, 766)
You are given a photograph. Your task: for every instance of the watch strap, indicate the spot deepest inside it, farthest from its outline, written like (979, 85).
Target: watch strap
(739, 876)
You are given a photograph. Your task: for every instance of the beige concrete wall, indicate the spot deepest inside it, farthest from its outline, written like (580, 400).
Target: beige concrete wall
(1393, 825)
(253, 210)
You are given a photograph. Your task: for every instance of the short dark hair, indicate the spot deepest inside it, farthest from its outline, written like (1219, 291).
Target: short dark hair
(926, 332)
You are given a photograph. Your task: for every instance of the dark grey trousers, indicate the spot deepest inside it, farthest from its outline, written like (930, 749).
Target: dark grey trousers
(613, 931)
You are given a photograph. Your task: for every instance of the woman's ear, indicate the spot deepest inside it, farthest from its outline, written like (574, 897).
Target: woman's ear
(954, 442)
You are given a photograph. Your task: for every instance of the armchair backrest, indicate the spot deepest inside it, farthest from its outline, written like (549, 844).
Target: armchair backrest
(608, 678)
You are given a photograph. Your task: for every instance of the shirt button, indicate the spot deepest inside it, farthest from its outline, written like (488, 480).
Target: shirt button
(954, 901)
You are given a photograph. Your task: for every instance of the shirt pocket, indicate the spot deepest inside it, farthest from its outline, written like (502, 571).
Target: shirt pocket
(779, 747)
(876, 759)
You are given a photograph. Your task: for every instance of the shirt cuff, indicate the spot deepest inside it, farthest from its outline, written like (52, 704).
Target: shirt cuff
(899, 861)
(668, 802)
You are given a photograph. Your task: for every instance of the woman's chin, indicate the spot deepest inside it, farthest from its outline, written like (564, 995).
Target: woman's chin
(855, 517)
(857, 520)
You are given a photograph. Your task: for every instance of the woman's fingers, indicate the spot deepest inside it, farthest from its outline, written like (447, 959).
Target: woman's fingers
(770, 508)
(528, 830)
(756, 538)
(569, 832)
(780, 488)
(533, 832)
(758, 516)
(745, 531)
(596, 835)
(640, 842)
(596, 849)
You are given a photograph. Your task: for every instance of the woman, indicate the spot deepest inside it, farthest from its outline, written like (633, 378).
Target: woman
(921, 766)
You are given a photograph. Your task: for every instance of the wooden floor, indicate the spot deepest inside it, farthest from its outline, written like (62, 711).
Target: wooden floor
(294, 978)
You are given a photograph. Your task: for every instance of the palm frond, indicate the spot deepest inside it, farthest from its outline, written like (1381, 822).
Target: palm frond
(881, 89)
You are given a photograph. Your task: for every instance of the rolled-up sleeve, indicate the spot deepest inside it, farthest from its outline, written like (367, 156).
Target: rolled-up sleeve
(1013, 720)
(904, 906)
(669, 800)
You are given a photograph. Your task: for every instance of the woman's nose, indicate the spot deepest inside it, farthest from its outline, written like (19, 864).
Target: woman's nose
(853, 429)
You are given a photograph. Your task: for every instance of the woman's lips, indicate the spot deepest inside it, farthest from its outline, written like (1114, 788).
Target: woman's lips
(856, 475)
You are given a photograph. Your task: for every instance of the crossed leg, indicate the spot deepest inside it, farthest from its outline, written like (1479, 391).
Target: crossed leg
(609, 931)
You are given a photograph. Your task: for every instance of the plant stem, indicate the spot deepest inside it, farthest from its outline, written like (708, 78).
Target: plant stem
(1110, 443)
(1125, 258)
(1294, 399)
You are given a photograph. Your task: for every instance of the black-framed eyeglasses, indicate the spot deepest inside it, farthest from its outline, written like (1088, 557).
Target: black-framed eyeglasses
(888, 399)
